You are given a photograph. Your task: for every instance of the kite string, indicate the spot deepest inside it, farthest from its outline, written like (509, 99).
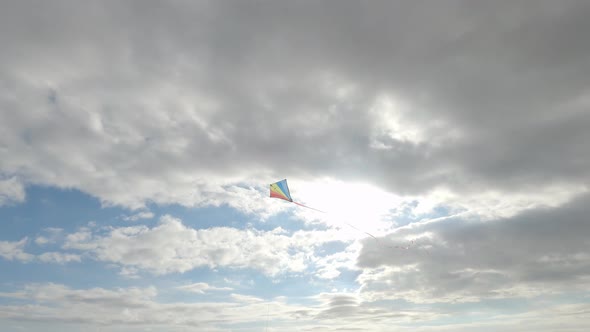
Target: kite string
(358, 229)
(309, 207)
(406, 247)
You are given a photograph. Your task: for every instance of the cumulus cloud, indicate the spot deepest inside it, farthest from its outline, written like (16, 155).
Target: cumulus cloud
(139, 216)
(11, 190)
(172, 247)
(59, 257)
(51, 235)
(15, 250)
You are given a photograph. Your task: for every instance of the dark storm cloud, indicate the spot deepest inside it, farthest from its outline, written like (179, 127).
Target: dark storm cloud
(240, 88)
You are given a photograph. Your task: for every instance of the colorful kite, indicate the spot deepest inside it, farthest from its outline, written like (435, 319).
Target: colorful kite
(281, 190)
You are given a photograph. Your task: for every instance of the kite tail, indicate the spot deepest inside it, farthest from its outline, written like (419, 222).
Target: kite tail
(309, 207)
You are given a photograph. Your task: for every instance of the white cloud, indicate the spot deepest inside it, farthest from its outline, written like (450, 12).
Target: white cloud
(42, 240)
(330, 266)
(11, 190)
(139, 215)
(51, 236)
(172, 247)
(15, 251)
(77, 240)
(490, 204)
(59, 257)
(202, 288)
(248, 299)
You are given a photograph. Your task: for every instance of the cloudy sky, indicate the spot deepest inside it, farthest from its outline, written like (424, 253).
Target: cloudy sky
(445, 141)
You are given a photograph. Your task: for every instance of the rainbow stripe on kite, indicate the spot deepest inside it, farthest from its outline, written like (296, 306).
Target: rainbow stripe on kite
(280, 190)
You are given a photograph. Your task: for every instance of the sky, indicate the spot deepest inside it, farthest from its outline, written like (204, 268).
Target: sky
(443, 141)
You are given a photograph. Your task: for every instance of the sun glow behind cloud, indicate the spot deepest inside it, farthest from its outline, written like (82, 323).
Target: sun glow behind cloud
(361, 205)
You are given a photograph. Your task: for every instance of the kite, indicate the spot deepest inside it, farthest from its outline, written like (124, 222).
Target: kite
(281, 190)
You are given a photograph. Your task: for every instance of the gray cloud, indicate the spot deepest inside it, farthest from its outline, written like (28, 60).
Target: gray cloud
(538, 252)
(104, 98)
